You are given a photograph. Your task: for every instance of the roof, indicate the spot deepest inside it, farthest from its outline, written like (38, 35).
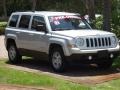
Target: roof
(47, 13)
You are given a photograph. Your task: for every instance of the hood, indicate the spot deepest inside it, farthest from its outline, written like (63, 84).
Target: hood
(77, 33)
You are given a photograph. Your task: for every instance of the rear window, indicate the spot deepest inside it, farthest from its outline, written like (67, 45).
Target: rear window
(24, 21)
(13, 21)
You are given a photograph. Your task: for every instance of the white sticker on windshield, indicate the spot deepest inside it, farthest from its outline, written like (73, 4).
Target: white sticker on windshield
(56, 22)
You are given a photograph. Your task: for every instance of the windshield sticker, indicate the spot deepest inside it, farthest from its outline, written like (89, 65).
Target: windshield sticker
(56, 22)
(56, 18)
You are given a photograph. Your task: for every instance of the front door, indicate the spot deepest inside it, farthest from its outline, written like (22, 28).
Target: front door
(38, 39)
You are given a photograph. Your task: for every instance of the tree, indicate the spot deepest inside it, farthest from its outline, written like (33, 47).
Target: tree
(34, 5)
(90, 7)
(4, 8)
(107, 15)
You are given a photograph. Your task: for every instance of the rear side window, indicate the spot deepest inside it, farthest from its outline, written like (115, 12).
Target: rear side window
(24, 21)
(13, 21)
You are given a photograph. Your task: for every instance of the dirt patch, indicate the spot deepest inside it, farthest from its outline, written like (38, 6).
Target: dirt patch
(16, 87)
(3, 51)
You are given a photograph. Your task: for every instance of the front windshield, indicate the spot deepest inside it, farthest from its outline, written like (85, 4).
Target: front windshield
(59, 23)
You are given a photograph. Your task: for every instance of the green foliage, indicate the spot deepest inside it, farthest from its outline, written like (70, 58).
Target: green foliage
(99, 23)
(61, 5)
(18, 5)
(3, 24)
(115, 24)
(2, 27)
(116, 17)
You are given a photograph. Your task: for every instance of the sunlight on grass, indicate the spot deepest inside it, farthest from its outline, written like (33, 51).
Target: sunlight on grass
(11, 76)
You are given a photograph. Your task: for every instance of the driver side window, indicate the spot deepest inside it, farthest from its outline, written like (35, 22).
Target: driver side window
(37, 20)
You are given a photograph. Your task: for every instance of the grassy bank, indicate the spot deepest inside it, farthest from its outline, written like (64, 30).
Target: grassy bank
(12, 76)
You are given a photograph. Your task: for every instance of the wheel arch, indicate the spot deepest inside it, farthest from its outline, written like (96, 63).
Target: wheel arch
(54, 45)
(57, 42)
(9, 41)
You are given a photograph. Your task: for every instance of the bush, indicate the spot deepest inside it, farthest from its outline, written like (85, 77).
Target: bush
(2, 27)
(99, 23)
(115, 27)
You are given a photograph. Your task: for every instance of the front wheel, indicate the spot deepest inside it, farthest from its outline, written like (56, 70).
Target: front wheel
(13, 54)
(57, 59)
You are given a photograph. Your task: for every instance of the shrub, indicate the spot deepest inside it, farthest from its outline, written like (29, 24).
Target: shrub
(2, 27)
(99, 23)
(115, 27)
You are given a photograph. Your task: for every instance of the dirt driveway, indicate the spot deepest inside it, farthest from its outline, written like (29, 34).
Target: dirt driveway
(14, 87)
(77, 74)
(3, 52)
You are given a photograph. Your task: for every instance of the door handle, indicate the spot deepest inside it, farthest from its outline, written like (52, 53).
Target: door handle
(31, 34)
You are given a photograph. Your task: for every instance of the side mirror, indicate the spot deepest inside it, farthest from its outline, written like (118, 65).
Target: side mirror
(41, 28)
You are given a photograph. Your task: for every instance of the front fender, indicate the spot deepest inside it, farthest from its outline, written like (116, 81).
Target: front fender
(63, 43)
(10, 36)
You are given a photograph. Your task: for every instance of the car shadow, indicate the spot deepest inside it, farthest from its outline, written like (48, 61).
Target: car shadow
(72, 70)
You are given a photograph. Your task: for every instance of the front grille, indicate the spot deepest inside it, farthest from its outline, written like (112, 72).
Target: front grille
(98, 42)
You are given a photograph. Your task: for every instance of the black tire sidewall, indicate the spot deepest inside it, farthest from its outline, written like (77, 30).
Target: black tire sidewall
(62, 68)
(18, 57)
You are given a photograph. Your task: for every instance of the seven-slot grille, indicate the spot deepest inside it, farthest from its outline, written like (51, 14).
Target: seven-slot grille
(98, 42)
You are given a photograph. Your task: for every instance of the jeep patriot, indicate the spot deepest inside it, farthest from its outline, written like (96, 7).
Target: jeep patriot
(60, 38)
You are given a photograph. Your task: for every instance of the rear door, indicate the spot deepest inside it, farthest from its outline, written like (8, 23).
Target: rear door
(23, 32)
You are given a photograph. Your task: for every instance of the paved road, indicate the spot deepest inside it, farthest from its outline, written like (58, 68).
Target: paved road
(3, 52)
(81, 74)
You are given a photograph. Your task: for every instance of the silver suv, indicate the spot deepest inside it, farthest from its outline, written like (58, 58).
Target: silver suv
(59, 37)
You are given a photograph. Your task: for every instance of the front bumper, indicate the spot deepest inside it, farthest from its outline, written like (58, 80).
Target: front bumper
(78, 51)
(93, 56)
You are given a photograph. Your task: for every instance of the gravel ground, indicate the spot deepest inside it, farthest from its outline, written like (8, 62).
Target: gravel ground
(3, 51)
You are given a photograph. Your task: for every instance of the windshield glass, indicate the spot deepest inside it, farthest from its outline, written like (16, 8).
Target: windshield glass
(59, 23)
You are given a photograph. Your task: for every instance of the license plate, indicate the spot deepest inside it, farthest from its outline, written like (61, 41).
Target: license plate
(103, 54)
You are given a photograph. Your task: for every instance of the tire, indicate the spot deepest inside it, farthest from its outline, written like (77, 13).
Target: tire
(57, 60)
(13, 54)
(105, 65)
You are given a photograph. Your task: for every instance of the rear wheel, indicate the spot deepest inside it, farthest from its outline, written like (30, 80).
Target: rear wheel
(13, 54)
(57, 59)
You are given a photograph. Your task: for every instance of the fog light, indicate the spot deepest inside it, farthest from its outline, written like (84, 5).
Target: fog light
(90, 57)
(111, 55)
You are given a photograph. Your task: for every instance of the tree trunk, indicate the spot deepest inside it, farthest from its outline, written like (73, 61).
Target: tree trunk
(90, 6)
(4, 9)
(34, 5)
(107, 15)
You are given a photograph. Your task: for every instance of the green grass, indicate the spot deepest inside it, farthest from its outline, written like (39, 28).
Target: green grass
(12, 76)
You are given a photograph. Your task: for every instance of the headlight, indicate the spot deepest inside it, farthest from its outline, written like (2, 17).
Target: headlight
(113, 40)
(79, 42)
